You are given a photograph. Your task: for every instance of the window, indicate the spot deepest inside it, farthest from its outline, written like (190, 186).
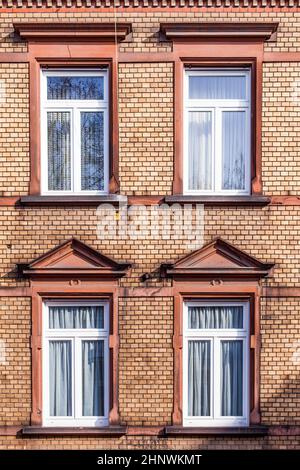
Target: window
(74, 131)
(217, 132)
(75, 364)
(215, 364)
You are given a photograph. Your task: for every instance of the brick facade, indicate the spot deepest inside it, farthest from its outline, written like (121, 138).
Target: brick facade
(146, 148)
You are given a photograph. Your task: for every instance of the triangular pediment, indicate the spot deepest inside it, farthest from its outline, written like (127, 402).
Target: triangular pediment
(217, 257)
(74, 257)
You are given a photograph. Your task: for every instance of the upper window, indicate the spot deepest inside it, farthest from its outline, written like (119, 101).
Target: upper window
(216, 364)
(75, 364)
(217, 132)
(74, 131)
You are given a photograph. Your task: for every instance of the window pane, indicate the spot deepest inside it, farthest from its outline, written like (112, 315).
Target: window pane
(200, 150)
(59, 151)
(232, 378)
(234, 149)
(93, 378)
(209, 87)
(202, 317)
(60, 378)
(92, 150)
(76, 317)
(199, 378)
(75, 88)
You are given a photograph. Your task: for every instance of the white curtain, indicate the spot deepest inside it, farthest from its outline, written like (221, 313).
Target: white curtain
(59, 150)
(232, 378)
(209, 87)
(76, 317)
(203, 317)
(199, 378)
(93, 378)
(60, 377)
(234, 145)
(200, 150)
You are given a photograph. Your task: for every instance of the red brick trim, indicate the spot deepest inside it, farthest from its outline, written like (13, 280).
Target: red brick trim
(206, 30)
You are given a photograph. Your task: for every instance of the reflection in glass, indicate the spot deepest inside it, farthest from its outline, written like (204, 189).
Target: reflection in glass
(92, 151)
(75, 88)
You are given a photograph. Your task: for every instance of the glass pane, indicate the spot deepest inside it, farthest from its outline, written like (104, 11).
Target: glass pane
(93, 378)
(75, 88)
(92, 151)
(60, 378)
(202, 317)
(59, 151)
(200, 150)
(234, 149)
(232, 378)
(199, 378)
(76, 317)
(218, 87)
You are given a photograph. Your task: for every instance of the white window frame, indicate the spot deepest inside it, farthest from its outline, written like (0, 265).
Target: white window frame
(217, 107)
(75, 336)
(216, 336)
(74, 107)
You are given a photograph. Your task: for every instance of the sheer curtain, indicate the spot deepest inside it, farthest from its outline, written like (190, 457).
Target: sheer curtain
(203, 317)
(200, 150)
(234, 146)
(199, 378)
(60, 368)
(76, 317)
(232, 378)
(93, 378)
(59, 150)
(92, 150)
(220, 87)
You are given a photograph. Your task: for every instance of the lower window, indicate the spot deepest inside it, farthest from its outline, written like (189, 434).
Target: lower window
(216, 364)
(75, 364)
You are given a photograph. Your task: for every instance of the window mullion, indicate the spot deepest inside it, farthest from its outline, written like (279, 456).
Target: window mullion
(218, 150)
(76, 377)
(76, 151)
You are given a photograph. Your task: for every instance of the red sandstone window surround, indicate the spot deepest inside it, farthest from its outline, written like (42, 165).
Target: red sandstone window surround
(217, 274)
(73, 274)
(68, 46)
(202, 46)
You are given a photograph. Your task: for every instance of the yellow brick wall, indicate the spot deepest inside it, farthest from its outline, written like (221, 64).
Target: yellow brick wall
(146, 165)
(15, 363)
(146, 128)
(14, 129)
(146, 360)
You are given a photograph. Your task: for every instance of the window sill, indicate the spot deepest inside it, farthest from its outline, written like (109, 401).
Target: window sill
(74, 431)
(219, 200)
(202, 431)
(72, 200)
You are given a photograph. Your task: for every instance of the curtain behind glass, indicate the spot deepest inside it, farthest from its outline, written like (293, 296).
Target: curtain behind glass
(60, 378)
(92, 150)
(199, 378)
(59, 151)
(219, 87)
(234, 148)
(203, 317)
(76, 317)
(200, 150)
(93, 378)
(232, 378)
